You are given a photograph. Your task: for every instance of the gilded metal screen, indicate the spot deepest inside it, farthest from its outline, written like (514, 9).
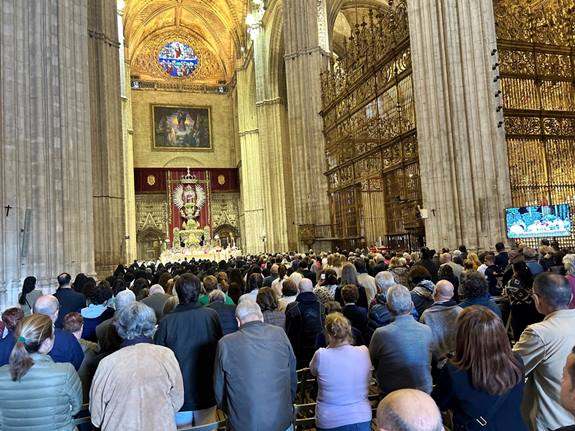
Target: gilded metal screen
(536, 48)
(369, 125)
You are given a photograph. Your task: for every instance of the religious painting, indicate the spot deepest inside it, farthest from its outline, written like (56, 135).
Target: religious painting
(181, 127)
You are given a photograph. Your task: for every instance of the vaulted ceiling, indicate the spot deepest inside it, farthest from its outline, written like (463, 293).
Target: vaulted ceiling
(213, 28)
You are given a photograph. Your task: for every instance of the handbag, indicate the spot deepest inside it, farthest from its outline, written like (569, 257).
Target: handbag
(482, 421)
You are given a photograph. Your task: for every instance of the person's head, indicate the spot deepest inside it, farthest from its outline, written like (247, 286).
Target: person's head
(64, 279)
(305, 285)
(136, 320)
(332, 307)
(569, 263)
(11, 317)
(482, 348)
(170, 304)
(399, 300)
(255, 281)
(551, 292)
(349, 294)
(348, 274)
(567, 394)
(124, 298)
(266, 299)
(445, 272)
(47, 305)
(443, 291)
(474, 285)
(274, 269)
(216, 296)
(33, 334)
(188, 288)
(408, 410)
(248, 311)
(330, 277)
(289, 288)
(419, 273)
(529, 253)
(28, 286)
(384, 280)
(394, 262)
(101, 295)
(444, 258)
(338, 329)
(74, 323)
(156, 288)
(499, 247)
(360, 265)
(210, 283)
(489, 259)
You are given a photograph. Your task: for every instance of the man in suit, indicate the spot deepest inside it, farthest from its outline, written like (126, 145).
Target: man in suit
(192, 332)
(66, 348)
(255, 373)
(401, 351)
(68, 298)
(356, 315)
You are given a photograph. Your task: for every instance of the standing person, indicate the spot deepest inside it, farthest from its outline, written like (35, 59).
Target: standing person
(483, 383)
(304, 321)
(568, 388)
(68, 299)
(226, 312)
(140, 386)
(519, 293)
(289, 295)
(401, 351)
(349, 276)
(544, 347)
(255, 374)
(156, 300)
(192, 332)
(569, 264)
(502, 257)
(427, 262)
(342, 401)
(475, 291)
(422, 293)
(365, 280)
(10, 318)
(35, 392)
(29, 295)
(268, 303)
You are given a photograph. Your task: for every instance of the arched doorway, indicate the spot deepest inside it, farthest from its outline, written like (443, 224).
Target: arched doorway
(226, 232)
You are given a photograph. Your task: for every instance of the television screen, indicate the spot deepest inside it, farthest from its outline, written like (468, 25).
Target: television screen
(538, 221)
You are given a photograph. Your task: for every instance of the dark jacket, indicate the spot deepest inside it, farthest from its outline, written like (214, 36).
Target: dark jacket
(227, 315)
(358, 318)
(6, 346)
(90, 324)
(362, 300)
(304, 320)
(255, 378)
(431, 267)
(66, 349)
(70, 301)
(482, 300)
(378, 316)
(454, 391)
(192, 332)
(421, 295)
(156, 302)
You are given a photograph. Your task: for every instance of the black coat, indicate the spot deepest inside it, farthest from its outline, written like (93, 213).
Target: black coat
(70, 301)
(192, 332)
(358, 318)
(362, 300)
(454, 391)
(378, 316)
(227, 315)
(304, 321)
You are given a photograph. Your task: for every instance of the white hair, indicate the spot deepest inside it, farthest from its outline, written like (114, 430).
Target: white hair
(124, 298)
(384, 280)
(248, 308)
(156, 288)
(569, 262)
(217, 295)
(399, 299)
(402, 261)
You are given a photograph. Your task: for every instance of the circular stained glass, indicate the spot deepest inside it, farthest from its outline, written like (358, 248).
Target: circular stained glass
(178, 59)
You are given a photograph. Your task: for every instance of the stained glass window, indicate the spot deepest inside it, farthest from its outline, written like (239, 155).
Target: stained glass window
(178, 59)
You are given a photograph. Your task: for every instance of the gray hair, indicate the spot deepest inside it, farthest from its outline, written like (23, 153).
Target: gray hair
(569, 262)
(247, 308)
(399, 299)
(384, 280)
(156, 288)
(124, 298)
(217, 295)
(135, 320)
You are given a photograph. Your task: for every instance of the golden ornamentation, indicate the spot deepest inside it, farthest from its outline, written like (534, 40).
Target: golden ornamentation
(151, 180)
(221, 180)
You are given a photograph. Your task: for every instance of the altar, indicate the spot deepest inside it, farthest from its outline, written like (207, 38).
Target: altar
(181, 254)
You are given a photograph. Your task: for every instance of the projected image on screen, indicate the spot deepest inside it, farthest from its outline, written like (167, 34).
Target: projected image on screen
(539, 221)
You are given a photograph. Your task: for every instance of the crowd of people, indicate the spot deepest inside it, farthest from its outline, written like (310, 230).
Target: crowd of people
(453, 338)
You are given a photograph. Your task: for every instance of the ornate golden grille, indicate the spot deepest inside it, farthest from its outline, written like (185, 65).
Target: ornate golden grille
(369, 125)
(536, 48)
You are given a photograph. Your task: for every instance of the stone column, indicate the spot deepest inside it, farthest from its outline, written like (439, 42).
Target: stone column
(305, 58)
(251, 165)
(107, 145)
(462, 151)
(45, 152)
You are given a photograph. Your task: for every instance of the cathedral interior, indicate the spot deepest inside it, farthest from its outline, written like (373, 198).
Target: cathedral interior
(130, 127)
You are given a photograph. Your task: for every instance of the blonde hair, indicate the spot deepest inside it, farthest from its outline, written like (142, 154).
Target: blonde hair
(569, 262)
(338, 328)
(30, 333)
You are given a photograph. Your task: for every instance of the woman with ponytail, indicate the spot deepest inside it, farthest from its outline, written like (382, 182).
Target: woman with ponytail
(29, 295)
(342, 402)
(35, 392)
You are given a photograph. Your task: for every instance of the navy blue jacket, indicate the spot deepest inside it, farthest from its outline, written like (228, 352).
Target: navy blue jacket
(486, 301)
(304, 321)
(227, 315)
(66, 349)
(70, 301)
(6, 346)
(455, 391)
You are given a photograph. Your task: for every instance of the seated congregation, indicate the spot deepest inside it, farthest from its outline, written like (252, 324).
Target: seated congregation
(331, 341)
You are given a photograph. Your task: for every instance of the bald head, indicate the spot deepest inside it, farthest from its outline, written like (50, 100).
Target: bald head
(48, 306)
(305, 285)
(408, 409)
(443, 291)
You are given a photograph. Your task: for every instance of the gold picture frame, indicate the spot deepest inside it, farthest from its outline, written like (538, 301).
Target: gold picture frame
(181, 128)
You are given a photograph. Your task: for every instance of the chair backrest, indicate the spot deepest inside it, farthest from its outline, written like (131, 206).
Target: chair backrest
(219, 426)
